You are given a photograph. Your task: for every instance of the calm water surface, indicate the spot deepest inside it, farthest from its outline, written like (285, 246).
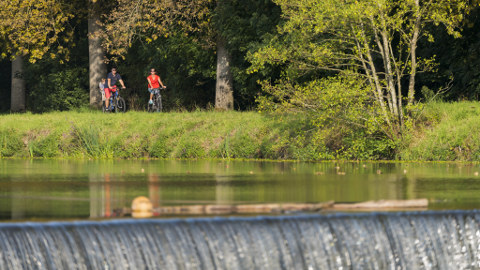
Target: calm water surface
(52, 189)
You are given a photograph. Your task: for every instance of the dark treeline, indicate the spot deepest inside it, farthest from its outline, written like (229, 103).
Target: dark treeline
(457, 59)
(188, 67)
(185, 62)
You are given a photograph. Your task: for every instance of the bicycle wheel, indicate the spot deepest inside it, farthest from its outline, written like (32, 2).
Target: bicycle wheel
(158, 103)
(150, 107)
(120, 106)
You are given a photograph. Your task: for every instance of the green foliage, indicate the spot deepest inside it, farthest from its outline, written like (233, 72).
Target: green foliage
(325, 38)
(427, 93)
(46, 147)
(63, 90)
(244, 24)
(443, 131)
(33, 28)
(160, 148)
(189, 147)
(365, 147)
(150, 20)
(448, 131)
(87, 138)
(10, 145)
(242, 145)
(344, 117)
(132, 146)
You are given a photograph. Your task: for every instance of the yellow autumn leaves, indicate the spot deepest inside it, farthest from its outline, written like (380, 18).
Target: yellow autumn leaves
(32, 27)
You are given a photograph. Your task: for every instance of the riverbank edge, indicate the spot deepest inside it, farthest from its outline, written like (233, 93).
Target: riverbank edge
(443, 134)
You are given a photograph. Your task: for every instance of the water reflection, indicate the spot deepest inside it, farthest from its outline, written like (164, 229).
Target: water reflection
(107, 199)
(97, 189)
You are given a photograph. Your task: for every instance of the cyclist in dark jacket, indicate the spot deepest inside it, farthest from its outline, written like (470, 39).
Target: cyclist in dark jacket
(110, 85)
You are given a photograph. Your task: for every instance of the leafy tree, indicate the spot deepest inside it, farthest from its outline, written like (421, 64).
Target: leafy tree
(376, 39)
(129, 21)
(342, 110)
(244, 24)
(36, 27)
(55, 86)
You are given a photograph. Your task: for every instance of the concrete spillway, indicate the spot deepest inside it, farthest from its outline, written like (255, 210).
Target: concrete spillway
(426, 240)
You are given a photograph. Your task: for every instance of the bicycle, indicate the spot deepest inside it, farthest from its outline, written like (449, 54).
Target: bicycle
(116, 102)
(156, 106)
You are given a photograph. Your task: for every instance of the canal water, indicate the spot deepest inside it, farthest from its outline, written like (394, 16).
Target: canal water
(65, 215)
(43, 190)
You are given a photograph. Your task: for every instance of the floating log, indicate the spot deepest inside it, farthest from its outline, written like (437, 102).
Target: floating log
(220, 209)
(382, 204)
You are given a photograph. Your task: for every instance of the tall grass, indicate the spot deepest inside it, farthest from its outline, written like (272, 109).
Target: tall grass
(201, 134)
(448, 132)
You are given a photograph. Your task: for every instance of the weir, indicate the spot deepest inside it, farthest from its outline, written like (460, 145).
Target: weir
(407, 240)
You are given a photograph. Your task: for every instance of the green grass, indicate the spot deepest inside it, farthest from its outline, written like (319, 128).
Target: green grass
(448, 132)
(445, 132)
(201, 134)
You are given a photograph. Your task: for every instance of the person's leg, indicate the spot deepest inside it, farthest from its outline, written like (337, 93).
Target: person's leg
(107, 97)
(151, 96)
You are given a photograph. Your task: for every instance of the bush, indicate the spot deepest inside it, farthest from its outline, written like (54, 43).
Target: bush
(344, 122)
(60, 91)
(44, 146)
(10, 144)
(190, 148)
(242, 145)
(160, 148)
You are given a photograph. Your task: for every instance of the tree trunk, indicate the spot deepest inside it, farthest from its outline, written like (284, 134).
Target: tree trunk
(413, 55)
(387, 56)
(18, 86)
(224, 85)
(96, 56)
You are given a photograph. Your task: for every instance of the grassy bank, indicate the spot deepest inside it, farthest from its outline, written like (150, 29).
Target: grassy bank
(447, 132)
(166, 135)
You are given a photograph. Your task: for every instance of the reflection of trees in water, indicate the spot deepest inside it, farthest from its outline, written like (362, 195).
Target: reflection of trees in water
(36, 196)
(19, 207)
(154, 189)
(223, 190)
(110, 194)
(107, 195)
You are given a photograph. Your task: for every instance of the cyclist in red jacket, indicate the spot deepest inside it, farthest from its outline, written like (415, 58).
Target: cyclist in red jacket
(154, 83)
